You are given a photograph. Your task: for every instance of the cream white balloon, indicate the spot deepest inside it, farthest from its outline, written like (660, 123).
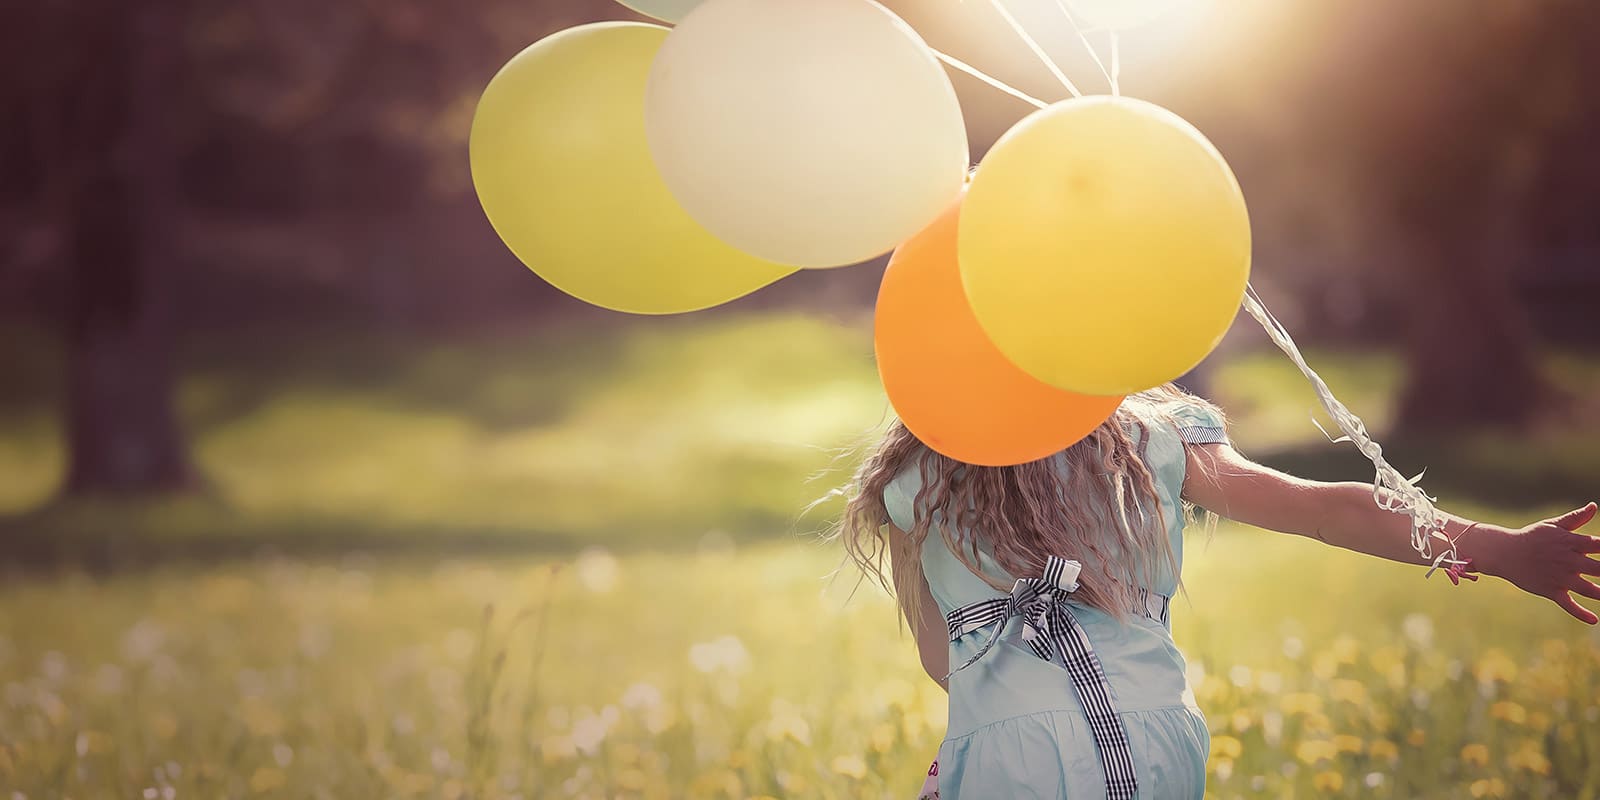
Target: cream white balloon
(816, 133)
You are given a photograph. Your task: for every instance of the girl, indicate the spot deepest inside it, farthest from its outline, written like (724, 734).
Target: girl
(1038, 594)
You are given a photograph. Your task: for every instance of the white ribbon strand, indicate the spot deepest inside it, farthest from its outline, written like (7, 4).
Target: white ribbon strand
(1404, 495)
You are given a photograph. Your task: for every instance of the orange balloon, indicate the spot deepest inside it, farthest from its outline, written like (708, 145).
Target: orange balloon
(950, 385)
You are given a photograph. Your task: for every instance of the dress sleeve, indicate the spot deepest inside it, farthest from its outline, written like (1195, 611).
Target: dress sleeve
(899, 506)
(1198, 424)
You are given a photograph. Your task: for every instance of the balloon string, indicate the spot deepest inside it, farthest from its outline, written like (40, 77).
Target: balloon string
(1405, 497)
(1034, 46)
(995, 82)
(1094, 54)
(1116, 64)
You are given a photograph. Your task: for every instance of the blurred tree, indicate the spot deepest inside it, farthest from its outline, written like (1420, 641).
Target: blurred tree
(104, 110)
(1457, 122)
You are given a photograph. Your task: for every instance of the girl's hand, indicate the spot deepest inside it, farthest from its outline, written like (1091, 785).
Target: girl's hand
(1549, 559)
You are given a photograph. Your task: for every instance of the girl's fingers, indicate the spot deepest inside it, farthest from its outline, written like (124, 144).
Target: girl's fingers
(1574, 519)
(1585, 543)
(1587, 566)
(1587, 589)
(1582, 614)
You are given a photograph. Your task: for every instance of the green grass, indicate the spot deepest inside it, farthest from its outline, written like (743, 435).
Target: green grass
(630, 432)
(482, 474)
(643, 432)
(384, 678)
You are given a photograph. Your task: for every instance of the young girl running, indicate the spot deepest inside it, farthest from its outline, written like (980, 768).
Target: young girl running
(1038, 594)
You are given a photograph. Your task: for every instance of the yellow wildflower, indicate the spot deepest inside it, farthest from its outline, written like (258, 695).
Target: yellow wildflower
(1345, 690)
(265, 780)
(634, 780)
(1226, 746)
(1346, 649)
(164, 725)
(1345, 743)
(1416, 737)
(1553, 649)
(883, 737)
(1384, 748)
(1530, 756)
(789, 726)
(1494, 665)
(1488, 787)
(850, 766)
(557, 748)
(1328, 781)
(1240, 721)
(1314, 750)
(1509, 711)
(1325, 666)
(1475, 754)
(1221, 767)
(626, 752)
(1301, 703)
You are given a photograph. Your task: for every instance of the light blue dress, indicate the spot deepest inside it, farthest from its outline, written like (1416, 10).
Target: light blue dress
(1016, 728)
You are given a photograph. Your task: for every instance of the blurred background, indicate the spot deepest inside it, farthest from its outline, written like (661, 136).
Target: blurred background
(308, 488)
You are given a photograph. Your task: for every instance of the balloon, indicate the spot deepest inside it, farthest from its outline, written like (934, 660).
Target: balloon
(1104, 245)
(811, 132)
(665, 10)
(948, 382)
(562, 170)
(1118, 15)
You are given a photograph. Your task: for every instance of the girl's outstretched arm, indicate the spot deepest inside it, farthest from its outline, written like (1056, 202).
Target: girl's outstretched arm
(933, 636)
(1546, 558)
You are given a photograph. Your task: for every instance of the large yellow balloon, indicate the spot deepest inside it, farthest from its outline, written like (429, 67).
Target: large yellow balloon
(562, 169)
(1104, 245)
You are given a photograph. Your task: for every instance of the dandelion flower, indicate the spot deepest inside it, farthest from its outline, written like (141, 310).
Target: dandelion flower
(597, 570)
(1345, 743)
(1488, 787)
(1530, 756)
(1313, 750)
(1418, 629)
(1509, 711)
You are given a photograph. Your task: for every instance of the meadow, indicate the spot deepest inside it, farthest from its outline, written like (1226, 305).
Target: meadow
(578, 568)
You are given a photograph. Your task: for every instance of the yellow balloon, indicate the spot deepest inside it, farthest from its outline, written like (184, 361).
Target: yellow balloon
(563, 171)
(1104, 245)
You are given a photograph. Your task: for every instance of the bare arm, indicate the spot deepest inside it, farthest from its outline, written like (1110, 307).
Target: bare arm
(1546, 558)
(933, 638)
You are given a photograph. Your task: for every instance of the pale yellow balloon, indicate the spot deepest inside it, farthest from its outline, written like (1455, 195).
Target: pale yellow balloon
(812, 132)
(665, 10)
(562, 169)
(1104, 245)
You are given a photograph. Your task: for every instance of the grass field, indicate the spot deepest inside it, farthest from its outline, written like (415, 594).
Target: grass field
(737, 672)
(573, 565)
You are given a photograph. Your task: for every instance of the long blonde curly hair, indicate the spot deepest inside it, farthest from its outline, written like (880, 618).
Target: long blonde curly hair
(1104, 511)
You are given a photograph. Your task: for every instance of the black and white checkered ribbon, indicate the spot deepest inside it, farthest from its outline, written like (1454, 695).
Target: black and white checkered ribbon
(1050, 629)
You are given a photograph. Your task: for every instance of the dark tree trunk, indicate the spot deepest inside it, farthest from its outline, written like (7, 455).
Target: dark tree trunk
(1471, 356)
(118, 205)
